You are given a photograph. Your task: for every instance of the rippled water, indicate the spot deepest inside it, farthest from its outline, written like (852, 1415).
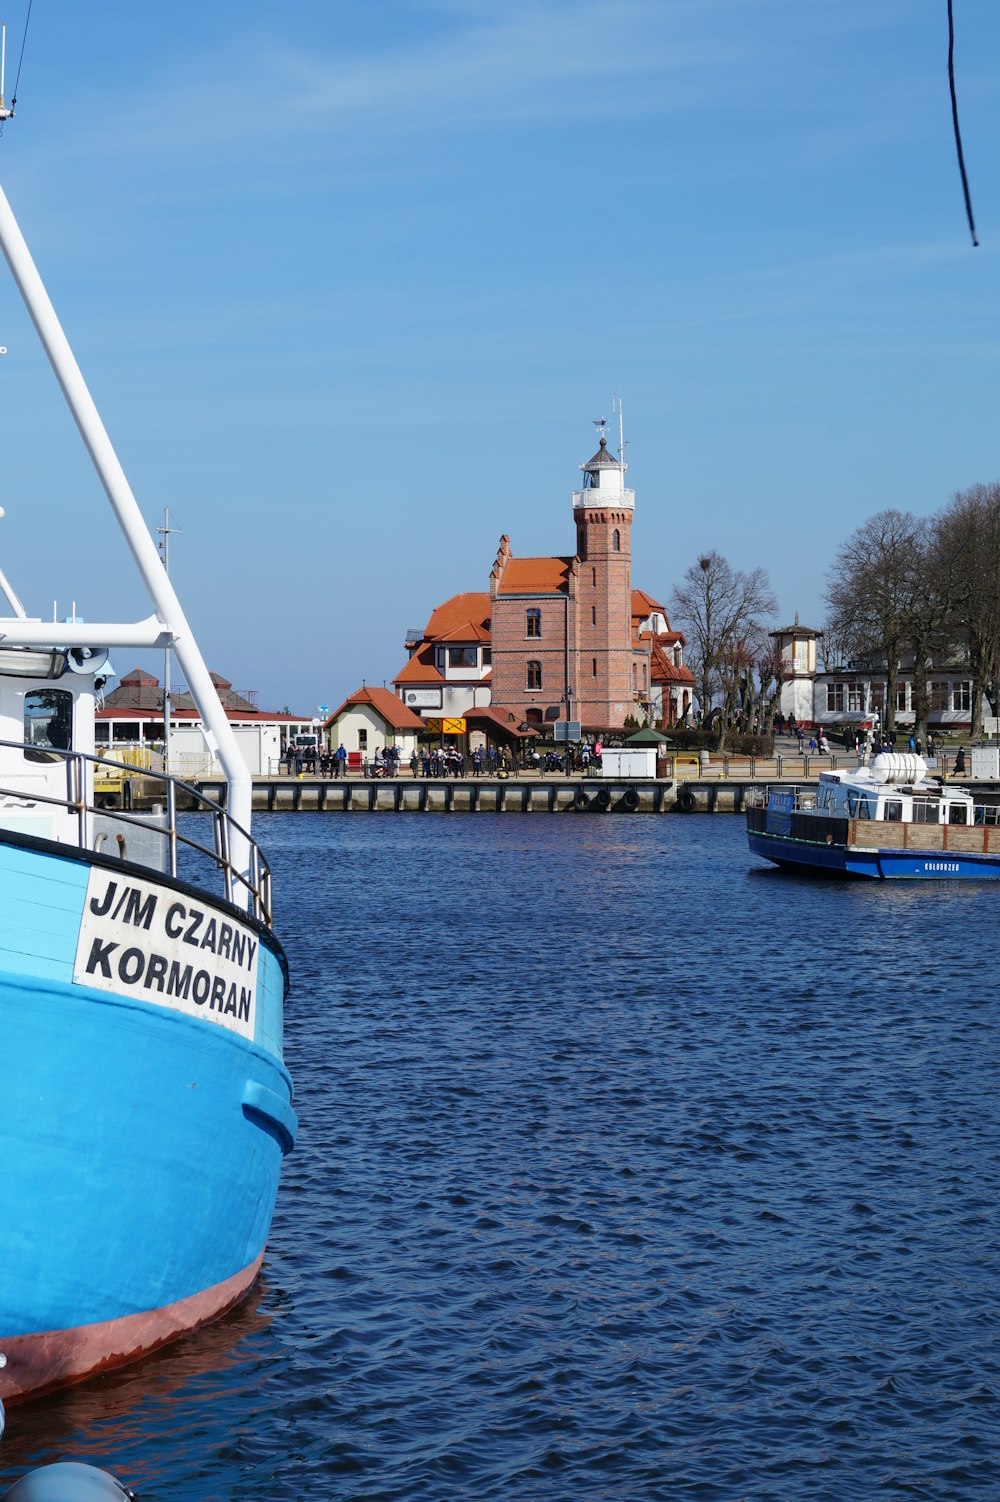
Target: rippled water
(627, 1169)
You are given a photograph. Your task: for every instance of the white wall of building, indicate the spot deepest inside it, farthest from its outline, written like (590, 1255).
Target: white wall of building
(362, 728)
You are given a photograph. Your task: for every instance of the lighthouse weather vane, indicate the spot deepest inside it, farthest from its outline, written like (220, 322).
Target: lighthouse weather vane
(600, 423)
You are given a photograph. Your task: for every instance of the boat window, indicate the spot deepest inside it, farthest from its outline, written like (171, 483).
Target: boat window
(48, 722)
(893, 810)
(958, 813)
(852, 804)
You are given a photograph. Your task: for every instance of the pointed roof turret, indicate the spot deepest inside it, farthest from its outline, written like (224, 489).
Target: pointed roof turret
(601, 460)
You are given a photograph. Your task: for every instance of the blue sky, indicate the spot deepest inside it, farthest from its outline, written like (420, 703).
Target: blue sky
(351, 282)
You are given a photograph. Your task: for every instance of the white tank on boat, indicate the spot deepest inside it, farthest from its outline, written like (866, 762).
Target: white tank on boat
(898, 766)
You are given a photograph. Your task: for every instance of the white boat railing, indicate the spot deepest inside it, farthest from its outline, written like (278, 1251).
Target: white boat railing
(249, 887)
(926, 806)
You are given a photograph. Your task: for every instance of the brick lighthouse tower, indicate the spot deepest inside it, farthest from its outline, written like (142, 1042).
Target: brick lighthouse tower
(603, 510)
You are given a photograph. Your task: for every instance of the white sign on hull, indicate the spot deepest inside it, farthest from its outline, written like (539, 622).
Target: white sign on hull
(152, 944)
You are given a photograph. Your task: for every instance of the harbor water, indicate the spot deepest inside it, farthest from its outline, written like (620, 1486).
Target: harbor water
(628, 1168)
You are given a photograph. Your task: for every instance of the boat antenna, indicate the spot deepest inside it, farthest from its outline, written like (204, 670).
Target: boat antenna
(5, 113)
(166, 532)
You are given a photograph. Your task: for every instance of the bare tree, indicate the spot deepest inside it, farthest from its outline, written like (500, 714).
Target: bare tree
(969, 540)
(721, 611)
(873, 587)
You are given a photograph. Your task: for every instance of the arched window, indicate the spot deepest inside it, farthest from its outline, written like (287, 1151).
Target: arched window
(616, 541)
(534, 679)
(635, 677)
(593, 615)
(593, 576)
(533, 716)
(594, 669)
(533, 622)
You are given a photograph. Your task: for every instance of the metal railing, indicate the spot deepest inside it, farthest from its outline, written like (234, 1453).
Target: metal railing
(926, 807)
(248, 884)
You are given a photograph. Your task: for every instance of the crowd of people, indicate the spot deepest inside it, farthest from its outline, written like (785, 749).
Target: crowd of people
(495, 761)
(443, 761)
(864, 743)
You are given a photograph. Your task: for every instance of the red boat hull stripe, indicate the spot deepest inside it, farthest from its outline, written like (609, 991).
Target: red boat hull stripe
(56, 1358)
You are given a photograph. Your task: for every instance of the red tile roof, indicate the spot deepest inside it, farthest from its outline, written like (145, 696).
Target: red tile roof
(643, 605)
(499, 718)
(420, 668)
(661, 668)
(536, 576)
(179, 713)
(469, 632)
(385, 704)
(139, 694)
(467, 610)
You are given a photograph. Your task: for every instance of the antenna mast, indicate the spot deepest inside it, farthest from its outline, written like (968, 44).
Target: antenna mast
(166, 531)
(616, 404)
(5, 113)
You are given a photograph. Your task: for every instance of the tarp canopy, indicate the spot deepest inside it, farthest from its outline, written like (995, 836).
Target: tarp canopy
(647, 736)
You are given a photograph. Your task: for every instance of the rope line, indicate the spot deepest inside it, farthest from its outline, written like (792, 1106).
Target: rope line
(954, 116)
(24, 38)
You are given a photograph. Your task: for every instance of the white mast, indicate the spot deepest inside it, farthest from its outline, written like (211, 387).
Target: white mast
(5, 113)
(165, 532)
(616, 403)
(218, 731)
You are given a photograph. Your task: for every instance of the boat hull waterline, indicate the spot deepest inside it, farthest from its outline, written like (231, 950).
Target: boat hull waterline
(140, 1166)
(873, 864)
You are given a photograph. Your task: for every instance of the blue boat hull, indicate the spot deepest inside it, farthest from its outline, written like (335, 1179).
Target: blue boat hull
(142, 1129)
(879, 865)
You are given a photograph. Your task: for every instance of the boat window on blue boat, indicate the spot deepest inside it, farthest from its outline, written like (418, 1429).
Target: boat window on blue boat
(48, 718)
(958, 814)
(893, 811)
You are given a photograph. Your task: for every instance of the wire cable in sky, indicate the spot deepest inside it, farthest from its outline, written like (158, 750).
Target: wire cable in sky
(954, 116)
(24, 38)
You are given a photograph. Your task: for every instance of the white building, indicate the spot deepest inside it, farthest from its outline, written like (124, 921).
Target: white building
(373, 719)
(795, 646)
(131, 718)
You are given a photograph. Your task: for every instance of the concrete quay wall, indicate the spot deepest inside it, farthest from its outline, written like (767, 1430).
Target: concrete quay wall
(553, 795)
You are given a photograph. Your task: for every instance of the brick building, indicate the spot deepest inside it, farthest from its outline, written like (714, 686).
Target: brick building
(565, 638)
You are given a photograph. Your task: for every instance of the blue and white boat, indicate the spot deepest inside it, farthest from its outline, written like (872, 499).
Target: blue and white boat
(145, 1108)
(887, 821)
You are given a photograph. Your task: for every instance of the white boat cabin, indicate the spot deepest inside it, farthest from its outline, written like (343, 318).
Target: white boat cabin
(892, 790)
(46, 707)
